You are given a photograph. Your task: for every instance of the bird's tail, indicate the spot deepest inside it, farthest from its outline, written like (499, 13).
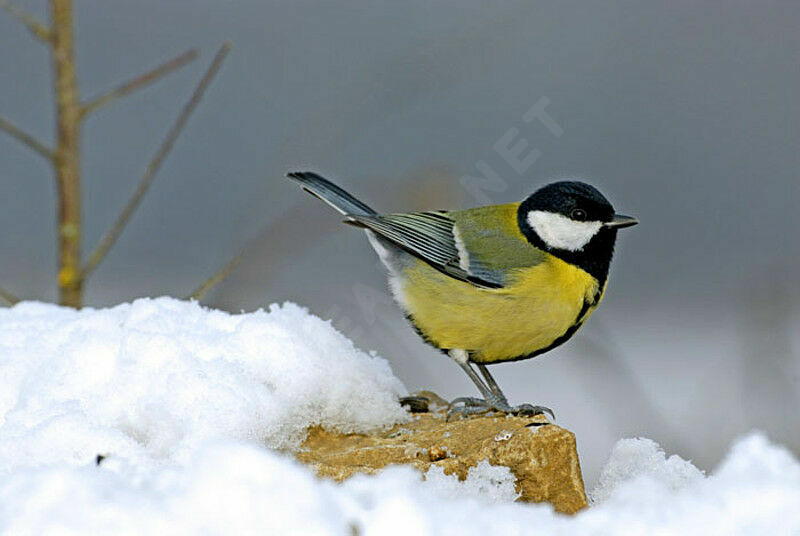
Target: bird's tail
(330, 193)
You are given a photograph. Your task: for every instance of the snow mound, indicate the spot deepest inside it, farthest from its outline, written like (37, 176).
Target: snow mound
(236, 488)
(153, 379)
(230, 488)
(754, 491)
(642, 459)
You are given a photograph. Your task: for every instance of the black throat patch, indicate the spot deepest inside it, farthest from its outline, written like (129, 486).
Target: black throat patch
(594, 258)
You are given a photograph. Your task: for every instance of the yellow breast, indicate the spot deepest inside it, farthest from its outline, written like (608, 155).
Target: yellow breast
(538, 307)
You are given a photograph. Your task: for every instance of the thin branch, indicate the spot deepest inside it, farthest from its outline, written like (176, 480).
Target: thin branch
(7, 297)
(27, 139)
(116, 229)
(67, 161)
(217, 278)
(39, 29)
(138, 82)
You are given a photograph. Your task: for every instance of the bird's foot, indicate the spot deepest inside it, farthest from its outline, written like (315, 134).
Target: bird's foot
(415, 404)
(465, 406)
(424, 402)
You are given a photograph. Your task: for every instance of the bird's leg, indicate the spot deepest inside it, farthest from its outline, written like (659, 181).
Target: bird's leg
(490, 381)
(467, 405)
(493, 397)
(522, 409)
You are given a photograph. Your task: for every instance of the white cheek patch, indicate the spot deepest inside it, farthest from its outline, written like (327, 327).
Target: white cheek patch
(560, 232)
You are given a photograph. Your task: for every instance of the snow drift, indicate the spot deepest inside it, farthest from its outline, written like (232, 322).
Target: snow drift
(195, 410)
(153, 379)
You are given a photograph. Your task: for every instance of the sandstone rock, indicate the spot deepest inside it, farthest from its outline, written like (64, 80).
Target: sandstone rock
(541, 455)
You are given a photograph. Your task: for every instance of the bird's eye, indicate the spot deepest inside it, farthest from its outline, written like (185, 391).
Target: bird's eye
(578, 214)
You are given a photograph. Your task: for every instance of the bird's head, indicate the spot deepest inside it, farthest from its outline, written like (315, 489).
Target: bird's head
(567, 215)
(573, 221)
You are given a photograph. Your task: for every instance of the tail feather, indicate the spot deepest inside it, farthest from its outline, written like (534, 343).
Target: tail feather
(330, 193)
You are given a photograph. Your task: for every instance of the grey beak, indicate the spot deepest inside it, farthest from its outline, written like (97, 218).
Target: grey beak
(620, 221)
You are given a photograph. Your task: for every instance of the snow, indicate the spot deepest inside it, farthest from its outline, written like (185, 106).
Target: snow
(643, 459)
(484, 481)
(197, 412)
(755, 490)
(153, 379)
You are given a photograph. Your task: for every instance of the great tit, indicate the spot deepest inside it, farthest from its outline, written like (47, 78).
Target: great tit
(492, 284)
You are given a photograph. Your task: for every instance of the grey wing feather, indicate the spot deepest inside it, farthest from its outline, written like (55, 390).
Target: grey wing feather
(428, 236)
(328, 192)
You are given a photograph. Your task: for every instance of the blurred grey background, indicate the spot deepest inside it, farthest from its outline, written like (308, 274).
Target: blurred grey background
(683, 113)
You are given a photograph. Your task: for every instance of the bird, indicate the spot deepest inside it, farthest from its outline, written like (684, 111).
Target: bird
(492, 284)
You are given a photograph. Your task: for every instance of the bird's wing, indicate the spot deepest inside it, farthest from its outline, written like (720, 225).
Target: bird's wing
(478, 246)
(495, 246)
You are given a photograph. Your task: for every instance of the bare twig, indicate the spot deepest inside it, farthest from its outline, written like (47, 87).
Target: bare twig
(25, 138)
(217, 278)
(39, 29)
(138, 82)
(67, 154)
(7, 297)
(116, 229)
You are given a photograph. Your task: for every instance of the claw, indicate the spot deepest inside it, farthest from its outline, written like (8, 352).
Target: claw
(466, 411)
(416, 404)
(529, 410)
(465, 406)
(467, 401)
